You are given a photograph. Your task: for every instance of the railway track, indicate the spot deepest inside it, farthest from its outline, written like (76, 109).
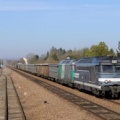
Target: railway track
(10, 107)
(115, 102)
(95, 109)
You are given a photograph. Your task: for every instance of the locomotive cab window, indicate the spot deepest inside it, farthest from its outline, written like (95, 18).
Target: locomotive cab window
(107, 68)
(117, 69)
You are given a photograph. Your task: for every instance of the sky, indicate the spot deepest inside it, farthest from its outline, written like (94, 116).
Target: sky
(35, 26)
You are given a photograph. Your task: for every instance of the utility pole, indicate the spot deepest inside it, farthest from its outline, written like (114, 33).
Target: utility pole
(118, 52)
(119, 45)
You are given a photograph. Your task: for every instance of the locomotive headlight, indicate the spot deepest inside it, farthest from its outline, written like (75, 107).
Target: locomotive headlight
(109, 81)
(106, 81)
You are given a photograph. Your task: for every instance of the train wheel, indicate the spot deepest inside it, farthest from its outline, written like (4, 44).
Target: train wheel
(95, 92)
(70, 84)
(102, 94)
(61, 82)
(78, 87)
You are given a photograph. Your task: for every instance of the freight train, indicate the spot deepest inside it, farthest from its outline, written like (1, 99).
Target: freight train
(98, 75)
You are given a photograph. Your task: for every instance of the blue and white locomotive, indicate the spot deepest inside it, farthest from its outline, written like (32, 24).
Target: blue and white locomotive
(100, 75)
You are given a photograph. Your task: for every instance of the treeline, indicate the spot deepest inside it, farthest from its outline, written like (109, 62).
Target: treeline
(55, 55)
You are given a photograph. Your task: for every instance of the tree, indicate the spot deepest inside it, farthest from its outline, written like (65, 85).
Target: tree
(111, 53)
(98, 50)
(36, 57)
(47, 56)
(54, 56)
(118, 53)
(32, 58)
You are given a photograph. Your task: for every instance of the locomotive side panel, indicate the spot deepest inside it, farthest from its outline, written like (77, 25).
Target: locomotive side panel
(68, 74)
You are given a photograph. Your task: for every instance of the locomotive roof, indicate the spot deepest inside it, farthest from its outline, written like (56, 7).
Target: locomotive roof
(98, 60)
(67, 61)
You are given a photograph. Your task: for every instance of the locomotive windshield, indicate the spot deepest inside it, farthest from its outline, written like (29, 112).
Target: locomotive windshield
(117, 69)
(110, 69)
(107, 68)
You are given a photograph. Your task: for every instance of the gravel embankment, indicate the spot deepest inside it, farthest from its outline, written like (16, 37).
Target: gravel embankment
(40, 104)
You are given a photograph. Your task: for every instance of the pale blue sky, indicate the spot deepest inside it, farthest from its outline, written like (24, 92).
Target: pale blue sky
(34, 26)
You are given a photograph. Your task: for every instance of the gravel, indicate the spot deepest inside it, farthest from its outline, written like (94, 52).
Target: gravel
(40, 104)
